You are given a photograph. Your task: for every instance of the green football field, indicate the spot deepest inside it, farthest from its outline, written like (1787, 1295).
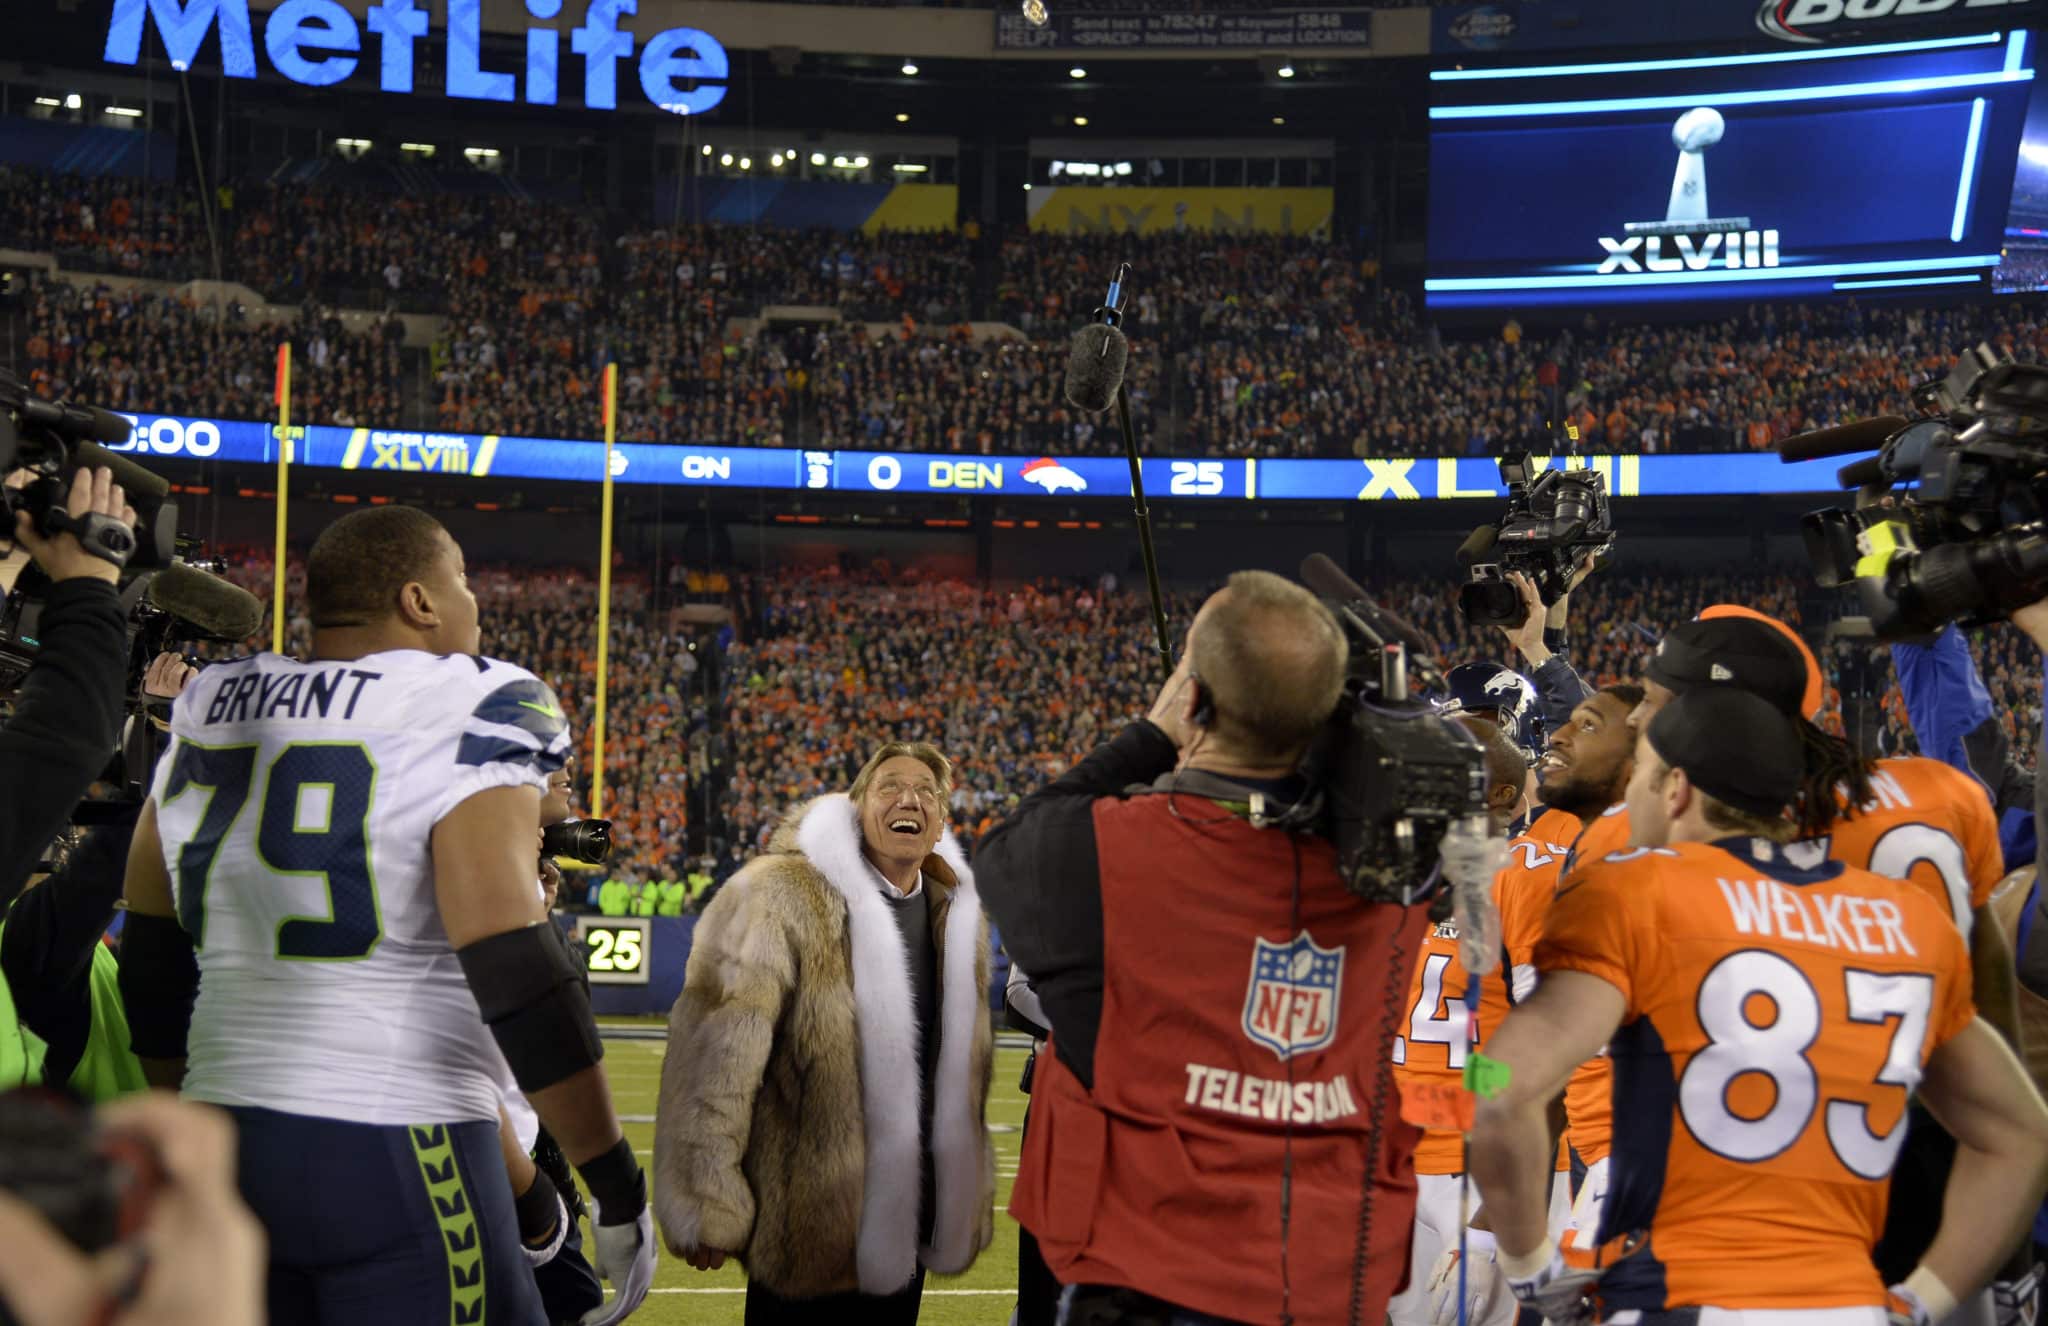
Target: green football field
(710, 1298)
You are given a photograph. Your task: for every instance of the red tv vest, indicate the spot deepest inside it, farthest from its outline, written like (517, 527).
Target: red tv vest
(1222, 1027)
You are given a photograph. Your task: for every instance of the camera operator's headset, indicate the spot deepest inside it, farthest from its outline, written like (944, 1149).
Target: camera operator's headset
(1393, 1001)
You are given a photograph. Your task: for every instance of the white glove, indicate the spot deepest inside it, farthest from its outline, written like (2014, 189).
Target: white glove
(2017, 1302)
(1472, 855)
(625, 1257)
(541, 1256)
(1486, 1286)
(1562, 1294)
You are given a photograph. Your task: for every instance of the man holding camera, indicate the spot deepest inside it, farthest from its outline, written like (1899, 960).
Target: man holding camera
(67, 715)
(1215, 1130)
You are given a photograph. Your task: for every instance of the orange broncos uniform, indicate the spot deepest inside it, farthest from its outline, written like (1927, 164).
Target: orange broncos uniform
(1931, 824)
(1434, 1040)
(1588, 1097)
(1780, 1008)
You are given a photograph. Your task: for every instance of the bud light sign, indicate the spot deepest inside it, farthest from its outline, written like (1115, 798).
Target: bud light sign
(319, 43)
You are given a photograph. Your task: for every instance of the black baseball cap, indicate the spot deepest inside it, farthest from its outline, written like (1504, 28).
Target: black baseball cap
(1739, 653)
(1735, 746)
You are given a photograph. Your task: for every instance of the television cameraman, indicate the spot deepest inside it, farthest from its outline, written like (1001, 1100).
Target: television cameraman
(67, 714)
(1217, 1101)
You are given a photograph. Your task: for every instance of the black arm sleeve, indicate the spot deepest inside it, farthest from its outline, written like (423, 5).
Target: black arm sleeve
(67, 719)
(47, 946)
(1040, 877)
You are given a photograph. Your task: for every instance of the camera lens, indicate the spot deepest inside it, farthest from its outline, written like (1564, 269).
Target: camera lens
(1491, 603)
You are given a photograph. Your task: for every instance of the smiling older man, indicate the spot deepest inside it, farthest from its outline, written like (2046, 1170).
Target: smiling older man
(822, 1100)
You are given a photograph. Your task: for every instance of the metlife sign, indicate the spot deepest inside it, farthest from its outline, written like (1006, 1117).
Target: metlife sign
(319, 43)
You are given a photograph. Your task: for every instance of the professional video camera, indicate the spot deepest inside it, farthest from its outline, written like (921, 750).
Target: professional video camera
(1389, 775)
(51, 440)
(1951, 517)
(1553, 522)
(588, 841)
(171, 601)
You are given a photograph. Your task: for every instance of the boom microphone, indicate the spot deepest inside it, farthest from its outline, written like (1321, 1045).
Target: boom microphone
(1325, 577)
(1095, 366)
(1843, 440)
(1477, 544)
(206, 601)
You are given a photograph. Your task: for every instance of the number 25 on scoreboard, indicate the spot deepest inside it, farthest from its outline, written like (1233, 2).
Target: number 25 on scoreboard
(617, 950)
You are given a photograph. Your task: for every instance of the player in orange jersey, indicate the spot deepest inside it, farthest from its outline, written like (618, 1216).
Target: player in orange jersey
(1769, 1012)
(1440, 1029)
(1910, 818)
(1584, 768)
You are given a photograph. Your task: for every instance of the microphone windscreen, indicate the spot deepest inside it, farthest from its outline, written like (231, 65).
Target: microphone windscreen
(1095, 366)
(206, 601)
(1477, 544)
(108, 426)
(1863, 435)
(1326, 578)
(143, 488)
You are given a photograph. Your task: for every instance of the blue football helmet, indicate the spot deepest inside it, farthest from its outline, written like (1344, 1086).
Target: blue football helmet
(1502, 694)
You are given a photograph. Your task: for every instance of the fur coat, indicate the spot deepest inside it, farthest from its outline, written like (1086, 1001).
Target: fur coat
(788, 1123)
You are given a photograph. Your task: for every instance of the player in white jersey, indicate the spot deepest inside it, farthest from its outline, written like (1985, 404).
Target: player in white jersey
(337, 859)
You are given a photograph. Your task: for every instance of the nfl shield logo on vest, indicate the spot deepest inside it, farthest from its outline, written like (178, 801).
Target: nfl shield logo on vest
(1291, 1004)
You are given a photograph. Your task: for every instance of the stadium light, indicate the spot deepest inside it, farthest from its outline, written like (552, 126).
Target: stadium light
(48, 101)
(910, 168)
(1077, 72)
(817, 158)
(746, 163)
(1286, 69)
(480, 153)
(1123, 167)
(125, 112)
(902, 117)
(418, 149)
(725, 160)
(909, 69)
(1080, 122)
(860, 163)
(1279, 119)
(356, 144)
(72, 101)
(776, 161)
(707, 149)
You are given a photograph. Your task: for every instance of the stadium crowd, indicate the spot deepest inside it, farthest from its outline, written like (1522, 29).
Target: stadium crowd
(1034, 676)
(1244, 345)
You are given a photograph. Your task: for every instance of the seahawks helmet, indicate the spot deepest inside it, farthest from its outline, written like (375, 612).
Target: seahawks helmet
(1489, 690)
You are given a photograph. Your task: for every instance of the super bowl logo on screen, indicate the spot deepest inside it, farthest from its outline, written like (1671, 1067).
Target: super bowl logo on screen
(1690, 238)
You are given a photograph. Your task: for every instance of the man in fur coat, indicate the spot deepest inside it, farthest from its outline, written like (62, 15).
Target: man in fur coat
(828, 1064)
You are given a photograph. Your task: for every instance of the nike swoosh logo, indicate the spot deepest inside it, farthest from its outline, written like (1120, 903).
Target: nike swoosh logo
(546, 709)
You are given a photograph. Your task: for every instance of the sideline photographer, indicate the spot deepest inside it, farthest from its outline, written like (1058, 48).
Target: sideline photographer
(1222, 1083)
(68, 712)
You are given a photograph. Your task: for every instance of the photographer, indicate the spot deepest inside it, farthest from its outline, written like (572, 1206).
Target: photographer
(1540, 640)
(67, 715)
(1216, 1109)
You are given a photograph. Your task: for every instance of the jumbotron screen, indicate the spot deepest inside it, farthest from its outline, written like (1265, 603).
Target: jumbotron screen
(1785, 174)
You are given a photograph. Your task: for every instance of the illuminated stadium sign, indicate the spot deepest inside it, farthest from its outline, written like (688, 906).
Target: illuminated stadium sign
(318, 43)
(1791, 173)
(1370, 479)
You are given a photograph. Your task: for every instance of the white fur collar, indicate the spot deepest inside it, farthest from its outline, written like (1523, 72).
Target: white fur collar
(888, 1252)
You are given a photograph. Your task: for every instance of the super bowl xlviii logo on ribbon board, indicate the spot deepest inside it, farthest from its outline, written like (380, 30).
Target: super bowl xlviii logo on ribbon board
(1290, 1007)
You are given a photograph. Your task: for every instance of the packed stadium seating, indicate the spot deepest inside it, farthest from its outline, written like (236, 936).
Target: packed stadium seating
(1244, 345)
(1014, 683)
